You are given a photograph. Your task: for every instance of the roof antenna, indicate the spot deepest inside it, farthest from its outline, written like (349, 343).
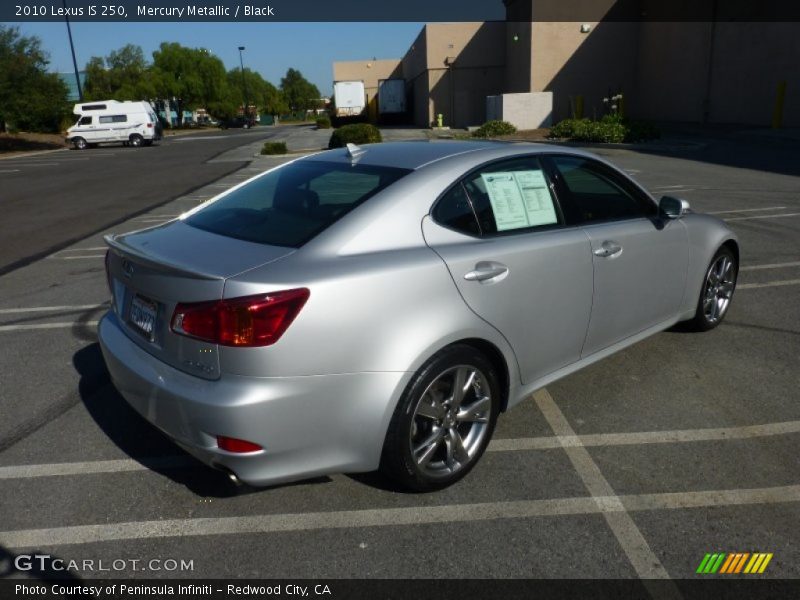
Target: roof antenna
(354, 151)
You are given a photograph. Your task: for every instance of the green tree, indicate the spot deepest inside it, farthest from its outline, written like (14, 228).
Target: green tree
(30, 97)
(260, 92)
(300, 93)
(123, 75)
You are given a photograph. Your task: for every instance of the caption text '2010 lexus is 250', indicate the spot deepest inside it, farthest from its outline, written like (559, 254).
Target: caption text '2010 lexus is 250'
(379, 306)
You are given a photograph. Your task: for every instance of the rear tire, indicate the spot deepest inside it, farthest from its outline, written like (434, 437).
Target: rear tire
(437, 434)
(135, 140)
(717, 291)
(79, 143)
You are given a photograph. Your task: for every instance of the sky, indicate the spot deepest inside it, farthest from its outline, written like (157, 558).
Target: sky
(270, 48)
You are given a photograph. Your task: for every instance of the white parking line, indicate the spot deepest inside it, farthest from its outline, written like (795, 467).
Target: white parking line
(770, 266)
(89, 249)
(646, 437)
(750, 286)
(385, 517)
(4, 328)
(642, 558)
(33, 309)
(9, 171)
(121, 465)
(762, 217)
(56, 257)
(741, 210)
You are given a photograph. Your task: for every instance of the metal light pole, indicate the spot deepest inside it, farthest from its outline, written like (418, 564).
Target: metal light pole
(72, 48)
(244, 84)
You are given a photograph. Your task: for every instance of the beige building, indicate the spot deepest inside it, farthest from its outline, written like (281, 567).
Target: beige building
(723, 72)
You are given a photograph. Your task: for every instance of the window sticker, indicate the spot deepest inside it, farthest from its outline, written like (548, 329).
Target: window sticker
(519, 199)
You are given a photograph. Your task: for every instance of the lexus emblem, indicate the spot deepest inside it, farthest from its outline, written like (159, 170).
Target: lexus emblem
(127, 267)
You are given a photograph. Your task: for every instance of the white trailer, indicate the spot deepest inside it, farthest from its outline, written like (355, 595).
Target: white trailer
(132, 123)
(391, 96)
(350, 98)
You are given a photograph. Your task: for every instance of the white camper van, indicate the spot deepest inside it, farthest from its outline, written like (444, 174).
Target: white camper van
(132, 123)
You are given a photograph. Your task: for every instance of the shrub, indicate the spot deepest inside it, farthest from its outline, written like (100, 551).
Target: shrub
(323, 123)
(569, 128)
(611, 129)
(357, 133)
(494, 129)
(274, 148)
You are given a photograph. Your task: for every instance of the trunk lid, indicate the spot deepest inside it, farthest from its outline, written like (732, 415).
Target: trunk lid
(152, 270)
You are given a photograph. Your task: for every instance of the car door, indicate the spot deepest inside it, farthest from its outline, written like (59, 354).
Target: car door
(87, 128)
(502, 235)
(640, 259)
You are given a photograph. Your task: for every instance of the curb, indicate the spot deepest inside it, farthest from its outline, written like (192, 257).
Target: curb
(24, 154)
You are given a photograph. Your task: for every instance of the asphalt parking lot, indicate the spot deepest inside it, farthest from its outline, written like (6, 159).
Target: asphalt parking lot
(638, 466)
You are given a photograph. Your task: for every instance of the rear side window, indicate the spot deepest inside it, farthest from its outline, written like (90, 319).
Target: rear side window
(292, 204)
(503, 197)
(597, 193)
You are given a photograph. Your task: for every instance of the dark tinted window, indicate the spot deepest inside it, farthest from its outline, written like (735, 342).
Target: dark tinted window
(85, 121)
(597, 193)
(455, 211)
(511, 195)
(94, 107)
(291, 205)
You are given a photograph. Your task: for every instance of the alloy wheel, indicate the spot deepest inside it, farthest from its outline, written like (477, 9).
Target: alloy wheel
(720, 283)
(450, 421)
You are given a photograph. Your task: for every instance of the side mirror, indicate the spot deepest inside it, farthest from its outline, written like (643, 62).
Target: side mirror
(673, 208)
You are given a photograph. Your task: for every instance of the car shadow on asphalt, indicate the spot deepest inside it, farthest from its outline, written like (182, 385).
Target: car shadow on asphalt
(141, 441)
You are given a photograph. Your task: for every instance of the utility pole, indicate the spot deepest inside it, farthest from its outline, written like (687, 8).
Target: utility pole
(244, 84)
(72, 48)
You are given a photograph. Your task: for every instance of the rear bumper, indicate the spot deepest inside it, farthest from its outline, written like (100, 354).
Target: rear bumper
(308, 426)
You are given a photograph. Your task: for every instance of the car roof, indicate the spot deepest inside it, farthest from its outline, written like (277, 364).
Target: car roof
(413, 155)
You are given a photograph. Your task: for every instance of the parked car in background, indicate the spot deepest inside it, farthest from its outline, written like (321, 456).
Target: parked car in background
(238, 122)
(381, 306)
(102, 121)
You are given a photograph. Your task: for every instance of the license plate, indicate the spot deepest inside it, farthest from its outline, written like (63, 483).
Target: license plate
(143, 316)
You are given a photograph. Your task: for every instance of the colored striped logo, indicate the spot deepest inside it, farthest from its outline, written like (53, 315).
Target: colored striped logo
(734, 562)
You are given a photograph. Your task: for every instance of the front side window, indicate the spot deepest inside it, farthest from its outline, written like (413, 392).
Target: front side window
(504, 197)
(292, 204)
(596, 193)
(85, 121)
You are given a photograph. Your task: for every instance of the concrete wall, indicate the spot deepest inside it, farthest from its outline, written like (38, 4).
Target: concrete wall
(530, 110)
(594, 64)
(465, 63)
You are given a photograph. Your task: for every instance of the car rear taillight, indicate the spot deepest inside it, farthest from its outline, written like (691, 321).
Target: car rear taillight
(250, 321)
(150, 125)
(230, 444)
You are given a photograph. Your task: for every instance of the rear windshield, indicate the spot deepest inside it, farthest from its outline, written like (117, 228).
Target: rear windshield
(291, 205)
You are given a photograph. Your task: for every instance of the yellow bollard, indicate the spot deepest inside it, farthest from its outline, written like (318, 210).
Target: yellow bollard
(440, 120)
(579, 107)
(777, 114)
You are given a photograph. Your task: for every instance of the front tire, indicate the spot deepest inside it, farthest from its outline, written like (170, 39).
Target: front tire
(717, 291)
(79, 143)
(444, 420)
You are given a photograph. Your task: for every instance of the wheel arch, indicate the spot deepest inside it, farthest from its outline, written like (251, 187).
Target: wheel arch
(498, 360)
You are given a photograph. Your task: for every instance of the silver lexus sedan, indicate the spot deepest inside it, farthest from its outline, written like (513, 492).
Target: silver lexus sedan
(377, 307)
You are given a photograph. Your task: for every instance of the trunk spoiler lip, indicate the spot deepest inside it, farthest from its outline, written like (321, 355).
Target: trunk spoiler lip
(127, 250)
